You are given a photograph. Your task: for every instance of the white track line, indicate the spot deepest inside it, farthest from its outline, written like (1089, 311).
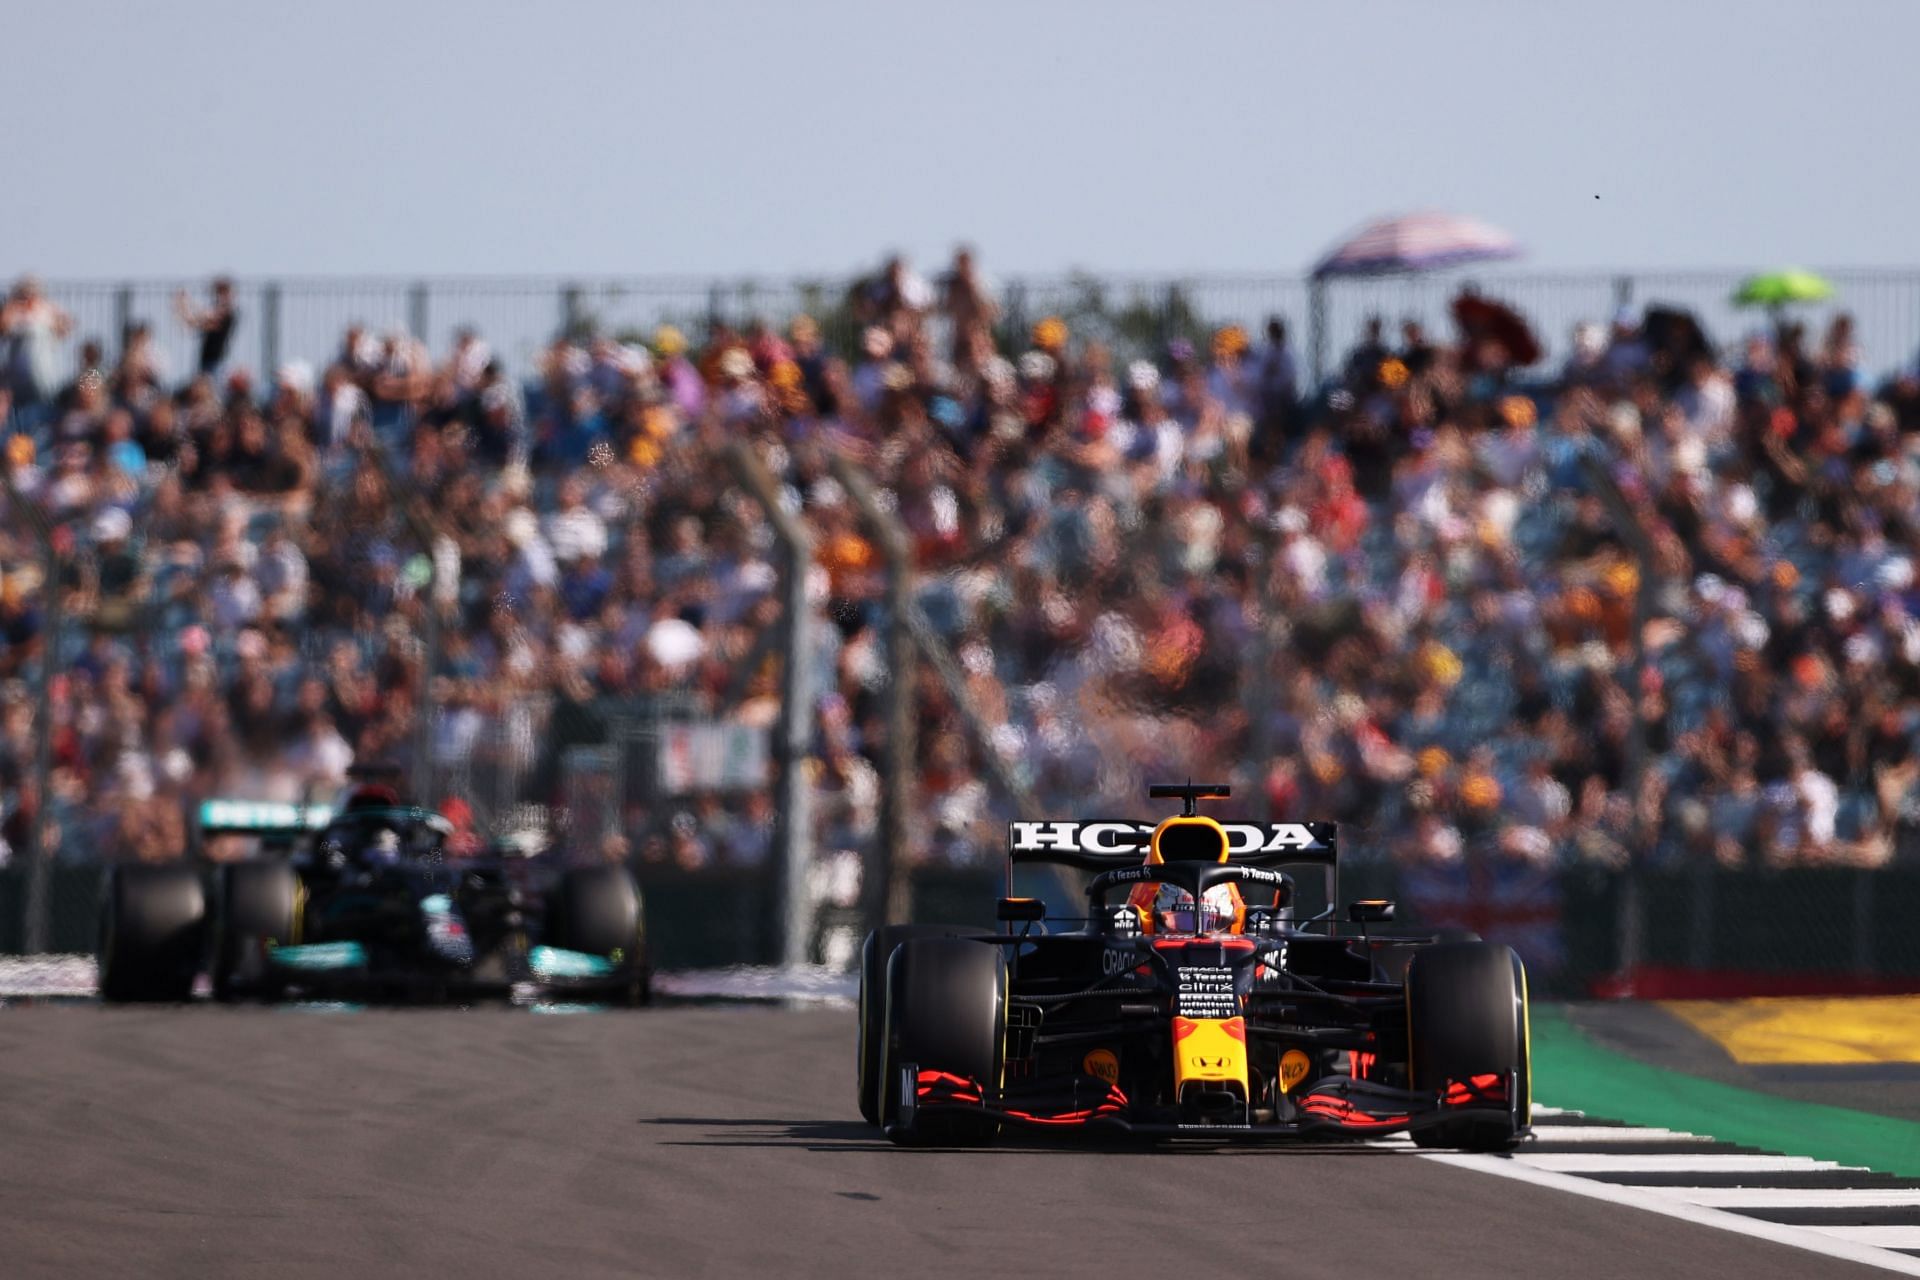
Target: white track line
(1706, 1162)
(68, 976)
(1879, 1237)
(1653, 1201)
(49, 975)
(1792, 1198)
(1605, 1134)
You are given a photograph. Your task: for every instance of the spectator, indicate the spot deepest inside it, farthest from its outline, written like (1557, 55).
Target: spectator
(31, 326)
(1278, 379)
(214, 323)
(969, 305)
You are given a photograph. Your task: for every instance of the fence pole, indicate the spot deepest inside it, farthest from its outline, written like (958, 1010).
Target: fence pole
(886, 896)
(407, 499)
(1630, 923)
(122, 315)
(1260, 691)
(979, 736)
(34, 927)
(269, 330)
(1317, 331)
(1014, 311)
(417, 313)
(793, 820)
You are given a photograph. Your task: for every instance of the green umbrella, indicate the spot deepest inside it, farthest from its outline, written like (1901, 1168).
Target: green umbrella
(1777, 288)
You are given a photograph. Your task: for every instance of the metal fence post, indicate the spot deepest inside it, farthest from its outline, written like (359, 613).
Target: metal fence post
(1317, 330)
(1014, 309)
(421, 527)
(269, 328)
(122, 315)
(417, 313)
(1622, 292)
(1269, 640)
(35, 925)
(979, 736)
(423, 779)
(793, 819)
(1630, 923)
(886, 896)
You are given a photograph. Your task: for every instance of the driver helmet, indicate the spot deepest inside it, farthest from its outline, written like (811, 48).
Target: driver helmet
(1170, 908)
(1174, 910)
(384, 848)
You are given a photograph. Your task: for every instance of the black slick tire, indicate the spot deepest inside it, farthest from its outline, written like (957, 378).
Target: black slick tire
(255, 909)
(946, 1011)
(1467, 1017)
(152, 933)
(596, 910)
(869, 1050)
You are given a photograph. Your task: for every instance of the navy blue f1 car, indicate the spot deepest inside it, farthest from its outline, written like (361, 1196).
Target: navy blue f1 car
(1189, 1002)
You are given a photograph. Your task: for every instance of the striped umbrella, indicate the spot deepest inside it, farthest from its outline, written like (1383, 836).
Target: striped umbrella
(1417, 242)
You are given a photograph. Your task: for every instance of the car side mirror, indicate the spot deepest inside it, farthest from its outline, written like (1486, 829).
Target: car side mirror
(1370, 911)
(1022, 909)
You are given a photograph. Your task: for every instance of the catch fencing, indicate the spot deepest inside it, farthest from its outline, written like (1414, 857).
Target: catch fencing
(305, 319)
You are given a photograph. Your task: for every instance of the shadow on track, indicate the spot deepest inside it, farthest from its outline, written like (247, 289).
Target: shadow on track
(855, 1136)
(808, 1135)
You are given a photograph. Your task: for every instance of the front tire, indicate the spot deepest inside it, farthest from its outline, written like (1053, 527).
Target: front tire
(152, 932)
(1467, 1017)
(870, 1048)
(946, 1011)
(596, 910)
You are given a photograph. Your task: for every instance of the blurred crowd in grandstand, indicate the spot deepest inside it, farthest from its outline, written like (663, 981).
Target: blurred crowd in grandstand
(1402, 599)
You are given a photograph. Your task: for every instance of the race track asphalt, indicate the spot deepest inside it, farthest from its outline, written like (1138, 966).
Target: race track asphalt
(693, 1141)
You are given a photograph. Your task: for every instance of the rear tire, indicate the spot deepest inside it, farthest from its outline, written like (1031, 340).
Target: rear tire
(152, 933)
(1466, 1017)
(257, 907)
(946, 1011)
(873, 1003)
(597, 910)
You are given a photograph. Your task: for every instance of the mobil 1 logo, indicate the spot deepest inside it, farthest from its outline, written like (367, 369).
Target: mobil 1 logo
(1204, 991)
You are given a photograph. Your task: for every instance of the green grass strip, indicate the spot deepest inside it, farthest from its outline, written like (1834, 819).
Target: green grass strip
(1571, 1071)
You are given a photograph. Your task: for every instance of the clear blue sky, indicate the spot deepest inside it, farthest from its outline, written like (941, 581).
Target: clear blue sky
(416, 138)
